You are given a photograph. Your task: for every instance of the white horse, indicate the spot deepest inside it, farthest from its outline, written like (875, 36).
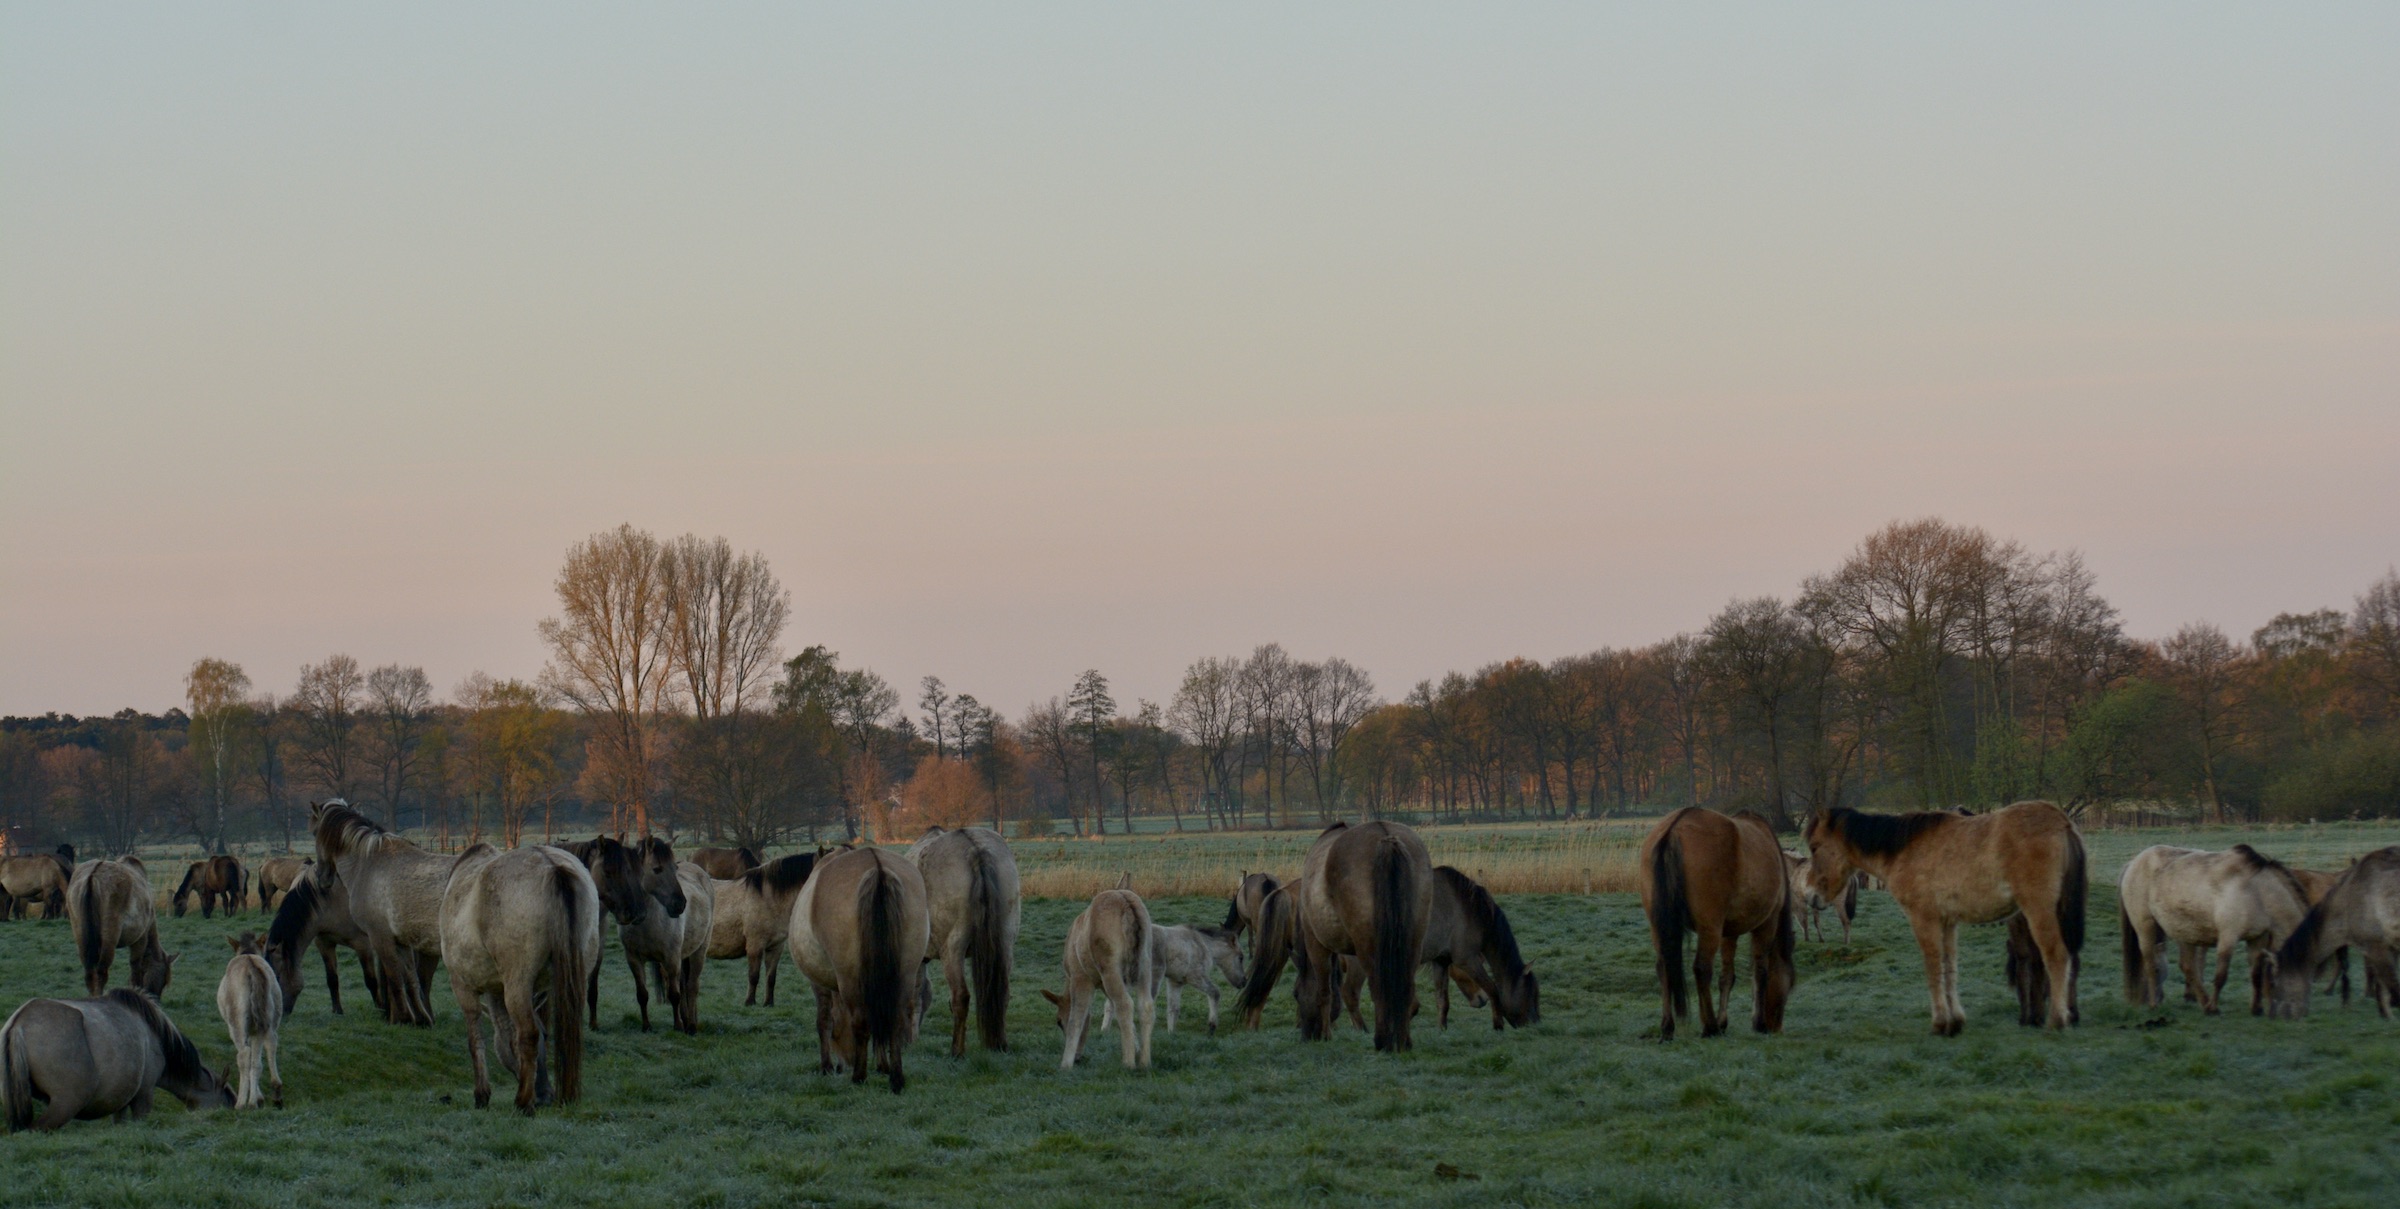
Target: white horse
(2203, 899)
(1185, 956)
(252, 1005)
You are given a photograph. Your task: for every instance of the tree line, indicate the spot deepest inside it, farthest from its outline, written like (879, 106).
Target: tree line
(1936, 666)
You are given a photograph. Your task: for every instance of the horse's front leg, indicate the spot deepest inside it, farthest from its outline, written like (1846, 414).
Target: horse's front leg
(1929, 943)
(752, 999)
(641, 987)
(1958, 1011)
(2213, 997)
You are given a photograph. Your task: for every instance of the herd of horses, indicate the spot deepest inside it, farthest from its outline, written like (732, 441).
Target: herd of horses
(520, 934)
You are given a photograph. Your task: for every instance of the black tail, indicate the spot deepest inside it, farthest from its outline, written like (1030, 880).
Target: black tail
(567, 981)
(1670, 916)
(91, 940)
(1270, 950)
(885, 986)
(2073, 889)
(2137, 971)
(987, 948)
(1774, 973)
(1233, 912)
(1396, 931)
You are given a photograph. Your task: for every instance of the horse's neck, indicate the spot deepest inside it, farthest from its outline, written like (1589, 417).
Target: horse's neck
(1874, 866)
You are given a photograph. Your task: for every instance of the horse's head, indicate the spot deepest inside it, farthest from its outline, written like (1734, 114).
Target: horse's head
(2289, 969)
(1519, 1003)
(1829, 868)
(153, 968)
(616, 875)
(1060, 1002)
(247, 942)
(655, 865)
(1224, 954)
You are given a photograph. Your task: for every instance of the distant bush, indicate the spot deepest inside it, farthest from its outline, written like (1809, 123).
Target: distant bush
(2355, 776)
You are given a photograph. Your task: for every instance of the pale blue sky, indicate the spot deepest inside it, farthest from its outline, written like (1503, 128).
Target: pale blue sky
(1030, 338)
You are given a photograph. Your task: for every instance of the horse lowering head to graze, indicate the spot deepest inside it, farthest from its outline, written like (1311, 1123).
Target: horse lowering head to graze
(1720, 879)
(2361, 909)
(1275, 943)
(972, 899)
(859, 931)
(2203, 899)
(216, 878)
(252, 1007)
(1470, 934)
(1186, 956)
(520, 934)
(308, 917)
(392, 890)
(27, 880)
(276, 876)
(100, 1057)
(1366, 892)
(1109, 949)
(1241, 911)
(725, 864)
(109, 907)
(2022, 863)
(754, 916)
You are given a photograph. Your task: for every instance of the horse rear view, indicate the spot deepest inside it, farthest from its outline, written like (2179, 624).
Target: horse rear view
(973, 900)
(1109, 950)
(251, 1004)
(859, 931)
(1366, 892)
(520, 931)
(2199, 900)
(105, 1056)
(109, 907)
(1720, 879)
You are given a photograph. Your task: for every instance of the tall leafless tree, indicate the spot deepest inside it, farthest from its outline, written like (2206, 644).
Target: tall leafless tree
(612, 656)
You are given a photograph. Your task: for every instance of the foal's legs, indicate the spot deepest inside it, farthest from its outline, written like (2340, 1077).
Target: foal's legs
(1112, 984)
(1079, 1018)
(274, 1067)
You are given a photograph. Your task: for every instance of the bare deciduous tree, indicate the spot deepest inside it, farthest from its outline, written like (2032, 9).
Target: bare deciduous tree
(399, 705)
(327, 705)
(214, 688)
(612, 657)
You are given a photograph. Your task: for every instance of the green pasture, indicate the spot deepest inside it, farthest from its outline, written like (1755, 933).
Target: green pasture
(1855, 1104)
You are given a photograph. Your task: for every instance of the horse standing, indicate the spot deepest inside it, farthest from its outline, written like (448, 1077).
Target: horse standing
(109, 907)
(2023, 863)
(2361, 910)
(973, 903)
(754, 916)
(860, 929)
(1274, 943)
(307, 918)
(219, 877)
(1109, 949)
(1720, 879)
(36, 878)
(393, 892)
(251, 1004)
(519, 931)
(1366, 892)
(1186, 956)
(726, 864)
(641, 884)
(2198, 900)
(105, 1056)
(1249, 898)
(1810, 904)
(277, 875)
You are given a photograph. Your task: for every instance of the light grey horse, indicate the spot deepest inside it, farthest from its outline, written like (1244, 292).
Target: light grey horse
(100, 1057)
(1184, 956)
(973, 898)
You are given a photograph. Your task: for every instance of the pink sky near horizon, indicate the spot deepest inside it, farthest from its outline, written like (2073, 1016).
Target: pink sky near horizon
(1080, 338)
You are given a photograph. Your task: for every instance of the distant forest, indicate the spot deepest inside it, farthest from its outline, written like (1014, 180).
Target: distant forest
(1937, 666)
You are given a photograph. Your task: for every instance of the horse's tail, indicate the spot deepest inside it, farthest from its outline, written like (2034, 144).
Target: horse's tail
(988, 949)
(1270, 950)
(1233, 912)
(16, 1076)
(567, 983)
(2073, 888)
(93, 938)
(2137, 975)
(1670, 914)
(1395, 925)
(884, 984)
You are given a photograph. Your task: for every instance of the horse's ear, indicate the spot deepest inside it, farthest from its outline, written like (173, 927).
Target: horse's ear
(1052, 996)
(1125, 880)
(234, 943)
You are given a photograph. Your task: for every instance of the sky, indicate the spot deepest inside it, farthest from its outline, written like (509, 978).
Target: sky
(1023, 339)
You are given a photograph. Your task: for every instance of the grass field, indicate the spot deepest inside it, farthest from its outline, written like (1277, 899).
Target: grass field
(1855, 1104)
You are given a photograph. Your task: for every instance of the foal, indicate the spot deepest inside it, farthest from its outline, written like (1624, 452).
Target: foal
(1184, 956)
(1109, 947)
(252, 1006)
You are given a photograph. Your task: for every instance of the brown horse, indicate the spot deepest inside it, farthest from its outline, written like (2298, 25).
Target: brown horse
(393, 892)
(1720, 878)
(219, 877)
(754, 916)
(36, 878)
(1241, 911)
(972, 895)
(2361, 910)
(725, 864)
(308, 918)
(859, 931)
(106, 1056)
(519, 929)
(277, 875)
(1274, 944)
(1366, 892)
(109, 907)
(1467, 941)
(2022, 863)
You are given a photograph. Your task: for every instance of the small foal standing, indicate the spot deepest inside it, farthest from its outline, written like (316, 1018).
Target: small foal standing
(1108, 947)
(252, 1004)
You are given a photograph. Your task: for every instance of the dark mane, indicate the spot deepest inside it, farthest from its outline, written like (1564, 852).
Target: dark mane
(188, 875)
(183, 1058)
(340, 830)
(650, 845)
(1884, 834)
(2260, 862)
(1330, 830)
(2303, 940)
(293, 914)
(1499, 940)
(781, 875)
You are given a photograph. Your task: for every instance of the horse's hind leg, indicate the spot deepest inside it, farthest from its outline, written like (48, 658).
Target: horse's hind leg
(274, 1068)
(1704, 956)
(954, 972)
(2188, 958)
(528, 1030)
(2058, 963)
(2213, 996)
(1726, 971)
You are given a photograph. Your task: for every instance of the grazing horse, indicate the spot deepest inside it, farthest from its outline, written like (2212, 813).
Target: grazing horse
(2022, 863)
(972, 898)
(641, 885)
(859, 931)
(2316, 883)
(1467, 941)
(393, 892)
(1366, 892)
(1109, 948)
(109, 907)
(1720, 878)
(754, 916)
(2361, 910)
(277, 875)
(218, 877)
(726, 864)
(1810, 904)
(252, 1006)
(1241, 911)
(1186, 956)
(100, 1057)
(307, 918)
(519, 931)
(2199, 899)
(36, 878)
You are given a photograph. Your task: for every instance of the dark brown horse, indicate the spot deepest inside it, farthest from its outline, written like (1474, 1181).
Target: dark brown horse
(276, 877)
(1720, 879)
(1367, 892)
(218, 878)
(309, 918)
(1241, 911)
(1274, 944)
(2023, 863)
(1467, 941)
(725, 864)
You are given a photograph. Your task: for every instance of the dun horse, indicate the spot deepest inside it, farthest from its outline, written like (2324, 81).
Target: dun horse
(642, 885)
(859, 931)
(393, 892)
(219, 878)
(36, 878)
(1109, 950)
(2022, 863)
(252, 1006)
(725, 864)
(307, 918)
(105, 1056)
(1467, 941)
(2198, 900)
(109, 908)
(1810, 904)
(519, 931)
(754, 916)
(1274, 944)
(1720, 879)
(276, 876)
(2361, 910)
(1366, 892)
(972, 899)
(1241, 912)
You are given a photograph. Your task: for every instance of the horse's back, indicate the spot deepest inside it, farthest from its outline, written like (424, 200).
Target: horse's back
(1339, 883)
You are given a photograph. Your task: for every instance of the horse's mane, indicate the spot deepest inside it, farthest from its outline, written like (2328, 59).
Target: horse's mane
(1485, 911)
(299, 906)
(781, 874)
(188, 875)
(183, 1058)
(2260, 862)
(341, 831)
(2297, 947)
(1341, 826)
(1884, 834)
